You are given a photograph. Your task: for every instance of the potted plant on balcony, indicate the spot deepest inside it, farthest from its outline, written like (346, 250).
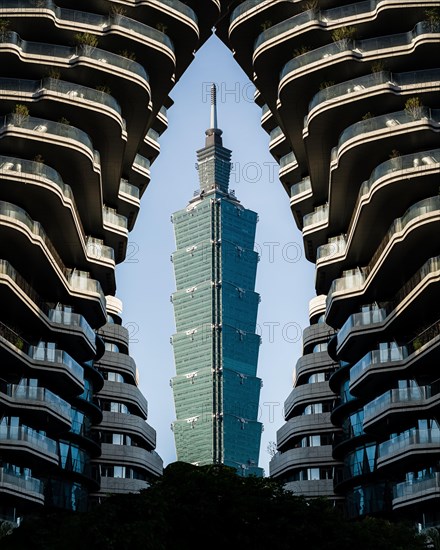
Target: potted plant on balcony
(414, 107)
(86, 42)
(343, 36)
(4, 28)
(433, 17)
(20, 114)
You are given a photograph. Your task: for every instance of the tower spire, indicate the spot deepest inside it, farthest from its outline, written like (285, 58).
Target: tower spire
(213, 106)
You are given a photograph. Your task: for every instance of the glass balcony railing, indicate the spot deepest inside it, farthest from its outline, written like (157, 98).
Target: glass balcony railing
(397, 80)
(359, 47)
(334, 247)
(383, 122)
(14, 165)
(46, 52)
(70, 319)
(244, 7)
(80, 280)
(128, 189)
(53, 355)
(287, 160)
(11, 166)
(362, 319)
(33, 393)
(319, 215)
(48, 127)
(413, 437)
(414, 487)
(377, 357)
(415, 395)
(113, 218)
(405, 162)
(23, 482)
(23, 433)
(97, 249)
(304, 186)
(355, 279)
(74, 277)
(275, 134)
(142, 163)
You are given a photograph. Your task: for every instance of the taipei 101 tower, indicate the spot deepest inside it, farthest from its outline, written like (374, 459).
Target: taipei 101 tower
(216, 390)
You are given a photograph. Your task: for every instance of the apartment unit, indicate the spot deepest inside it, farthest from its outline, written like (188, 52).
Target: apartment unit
(83, 96)
(350, 96)
(216, 390)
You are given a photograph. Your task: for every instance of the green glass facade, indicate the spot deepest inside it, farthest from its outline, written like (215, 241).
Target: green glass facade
(216, 391)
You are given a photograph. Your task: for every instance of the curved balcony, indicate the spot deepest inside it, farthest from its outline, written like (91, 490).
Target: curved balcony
(127, 394)
(118, 362)
(315, 334)
(303, 425)
(278, 145)
(72, 328)
(38, 401)
(121, 485)
(378, 367)
(131, 424)
(405, 448)
(23, 440)
(101, 59)
(398, 402)
(129, 455)
(302, 457)
(416, 491)
(312, 363)
(303, 395)
(43, 182)
(129, 202)
(362, 322)
(116, 334)
(313, 488)
(21, 486)
(140, 172)
(51, 363)
(416, 221)
(420, 169)
(289, 170)
(76, 282)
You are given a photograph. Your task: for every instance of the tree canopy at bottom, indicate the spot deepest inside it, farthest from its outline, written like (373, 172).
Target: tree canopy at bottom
(199, 507)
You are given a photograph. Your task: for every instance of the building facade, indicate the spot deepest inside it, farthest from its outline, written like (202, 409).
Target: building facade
(350, 95)
(83, 95)
(216, 390)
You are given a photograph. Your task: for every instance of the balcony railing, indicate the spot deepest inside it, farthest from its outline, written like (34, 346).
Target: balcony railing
(405, 162)
(128, 189)
(413, 437)
(113, 218)
(23, 433)
(70, 319)
(97, 249)
(386, 121)
(416, 487)
(275, 134)
(46, 52)
(319, 215)
(34, 393)
(399, 395)
(51, 355)
(286, 160)
(396, 80)
(23, 482)
(377, 357)
(43, 126)
(362, 319)
(303, 186)
(335, 246)
(358, 47)
(142, 162)
(246, 6)
(77, 279)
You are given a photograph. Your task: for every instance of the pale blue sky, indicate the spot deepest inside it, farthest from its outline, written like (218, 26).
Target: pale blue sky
(284, 278)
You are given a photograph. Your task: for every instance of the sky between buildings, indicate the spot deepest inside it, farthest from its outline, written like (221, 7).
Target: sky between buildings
(285, 279)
